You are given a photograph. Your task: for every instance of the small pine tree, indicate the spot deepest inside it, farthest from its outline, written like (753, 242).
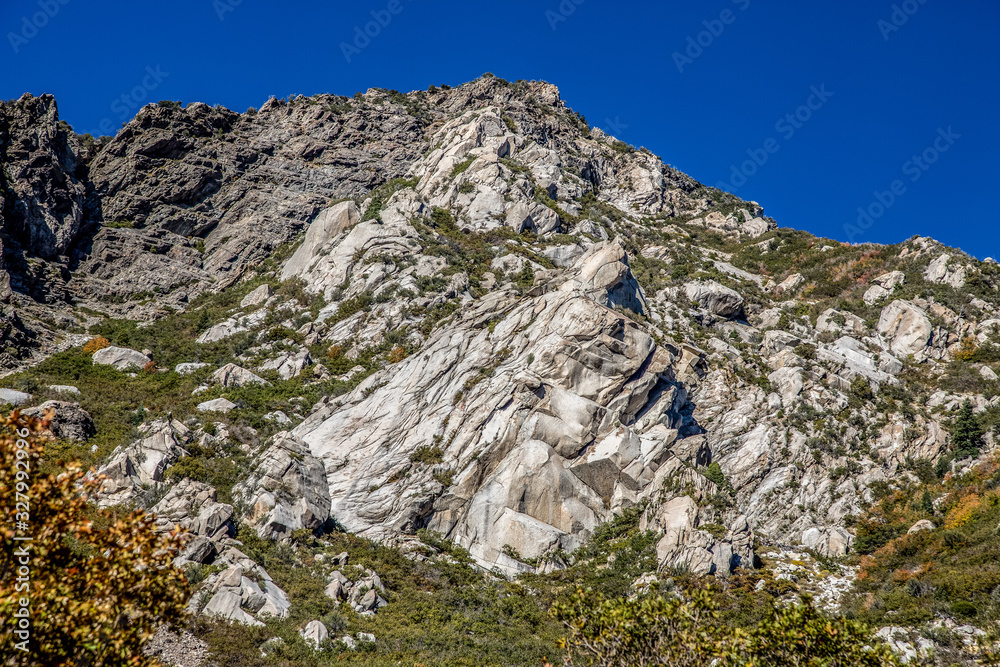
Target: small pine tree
(966, 432)
(861, 388)
(714, 474)
(927, 503)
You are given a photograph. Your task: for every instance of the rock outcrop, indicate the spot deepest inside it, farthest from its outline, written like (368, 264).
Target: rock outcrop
(477, 317)
(905, 327)
(288, 490)
(142, 463)
(69, 421)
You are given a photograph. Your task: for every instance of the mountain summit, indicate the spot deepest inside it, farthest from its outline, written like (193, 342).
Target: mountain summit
(465, 313)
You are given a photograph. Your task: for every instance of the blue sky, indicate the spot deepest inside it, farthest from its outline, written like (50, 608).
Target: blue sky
(814, 112)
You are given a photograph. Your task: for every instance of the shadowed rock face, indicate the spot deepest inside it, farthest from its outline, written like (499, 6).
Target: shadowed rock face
(43, 198)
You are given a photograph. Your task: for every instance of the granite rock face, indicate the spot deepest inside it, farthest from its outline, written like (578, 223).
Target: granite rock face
(476, 316)
(288, 490)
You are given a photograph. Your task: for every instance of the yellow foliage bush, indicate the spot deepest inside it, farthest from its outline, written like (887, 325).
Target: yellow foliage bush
(967, 349)
(397, 355)
(95, 344)
(963, 511)
(95, 583)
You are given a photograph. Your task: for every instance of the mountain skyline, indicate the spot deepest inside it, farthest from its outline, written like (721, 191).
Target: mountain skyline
(697, 86)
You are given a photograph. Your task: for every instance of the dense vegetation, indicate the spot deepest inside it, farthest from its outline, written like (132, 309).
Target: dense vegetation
(947, 566)
(443, 611)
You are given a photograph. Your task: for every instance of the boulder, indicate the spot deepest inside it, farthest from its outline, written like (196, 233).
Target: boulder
(755, 227)
(188, 368)
(790, 284)
(216, 405)
(874, 294)
(883, 286)
(70, 422)
(278, 417)
(221, 331)
(603, 274)
(716, 298)
(276, 602)
(829, 541)
(13, 397)
(940, 271)
(682, 543)
(837, 322)
(923, 524)
(140, 464)
(335, 591)
(905, 327)
(787, 382)
(232, 375)
(200, 550)
(122, 358)
(776, 340)
(315, 634)
(257, 297)
(287, 491)
(64, 389)
(890, 280)
(226, 605)
(192, 506)
(288, 365)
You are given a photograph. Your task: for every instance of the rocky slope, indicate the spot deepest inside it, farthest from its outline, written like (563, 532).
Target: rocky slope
(466, 311)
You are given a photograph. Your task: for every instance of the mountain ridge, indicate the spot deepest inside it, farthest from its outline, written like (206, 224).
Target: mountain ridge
(466, 313)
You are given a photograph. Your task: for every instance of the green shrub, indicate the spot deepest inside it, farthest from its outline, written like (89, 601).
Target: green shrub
(427, 454)
(714, 474)
(963, 608)
(670, 631)
(462, 166)
(861, 388)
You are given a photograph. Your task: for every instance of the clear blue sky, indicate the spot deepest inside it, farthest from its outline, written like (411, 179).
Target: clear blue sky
(892, 89)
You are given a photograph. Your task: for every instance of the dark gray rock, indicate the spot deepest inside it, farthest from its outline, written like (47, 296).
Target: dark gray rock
(70, 421)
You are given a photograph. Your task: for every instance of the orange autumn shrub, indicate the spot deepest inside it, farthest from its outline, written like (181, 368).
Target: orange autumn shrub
(95, 344)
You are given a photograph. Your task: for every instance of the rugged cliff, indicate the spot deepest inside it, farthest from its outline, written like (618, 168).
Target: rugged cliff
(466, 311)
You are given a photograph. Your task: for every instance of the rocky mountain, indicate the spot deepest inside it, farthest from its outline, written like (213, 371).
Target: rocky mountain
(463, 312)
